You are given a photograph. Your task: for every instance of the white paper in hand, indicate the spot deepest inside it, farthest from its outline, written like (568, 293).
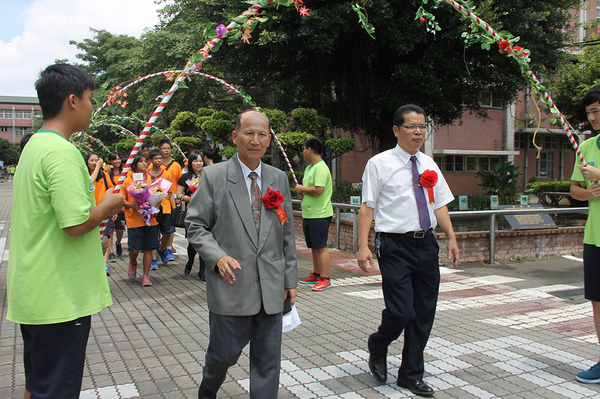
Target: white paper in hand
(291, 320)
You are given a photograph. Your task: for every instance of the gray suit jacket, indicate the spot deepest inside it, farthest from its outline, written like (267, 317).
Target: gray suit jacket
(220, 222)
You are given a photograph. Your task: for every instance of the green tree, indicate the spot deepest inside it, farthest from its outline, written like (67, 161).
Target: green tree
(9, 153)
(579, 74)
(184, 124)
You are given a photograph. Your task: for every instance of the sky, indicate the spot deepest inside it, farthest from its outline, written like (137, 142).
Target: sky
(35, 33)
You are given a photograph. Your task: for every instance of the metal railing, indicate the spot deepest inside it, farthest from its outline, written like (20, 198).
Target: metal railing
(453, 215)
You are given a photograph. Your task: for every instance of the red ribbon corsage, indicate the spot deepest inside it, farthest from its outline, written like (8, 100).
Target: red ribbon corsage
(272, 200)
(428, 180)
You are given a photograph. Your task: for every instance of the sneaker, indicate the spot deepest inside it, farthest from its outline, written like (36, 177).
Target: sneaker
(111, 257)
(312, 279)
(323, 284)
(174, 250)
(107, 270)
(119, 250)
(170, 256)
(154, 264)
(162, 255)
(132, 271)
(591, 376)
(146, 281)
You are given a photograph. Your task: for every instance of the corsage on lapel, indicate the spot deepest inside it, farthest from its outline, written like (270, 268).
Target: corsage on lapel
(428, 180)
(272, 200)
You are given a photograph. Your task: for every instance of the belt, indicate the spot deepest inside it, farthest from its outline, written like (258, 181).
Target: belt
(413, 234)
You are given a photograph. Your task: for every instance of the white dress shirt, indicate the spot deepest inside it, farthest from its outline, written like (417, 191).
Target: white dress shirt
(246, 171)
(388, 189)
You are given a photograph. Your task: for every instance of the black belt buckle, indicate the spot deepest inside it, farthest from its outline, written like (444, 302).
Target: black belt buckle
(420, 234)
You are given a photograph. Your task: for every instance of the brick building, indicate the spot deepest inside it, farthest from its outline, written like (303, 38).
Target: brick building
(18, 116)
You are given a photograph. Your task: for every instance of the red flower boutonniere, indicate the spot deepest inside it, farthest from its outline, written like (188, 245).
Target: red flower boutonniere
(272, 200)
(428, 180)
(504, 46)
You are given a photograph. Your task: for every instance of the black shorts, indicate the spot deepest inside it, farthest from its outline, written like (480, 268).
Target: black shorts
(142, 238)
(54, 356)
(120, 222)
(164, 223)
(591, 272)
(109, 226)
(316, 232)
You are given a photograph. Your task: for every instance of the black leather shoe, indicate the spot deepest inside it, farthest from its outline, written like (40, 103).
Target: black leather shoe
(187, 270)
(378, 368)
(204, 393)
(418, 387)
(202, 277)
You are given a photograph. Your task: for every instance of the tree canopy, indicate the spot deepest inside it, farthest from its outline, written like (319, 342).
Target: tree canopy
(329, 63)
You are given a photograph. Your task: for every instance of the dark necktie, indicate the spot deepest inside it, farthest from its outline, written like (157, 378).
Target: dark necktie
(256, 200)
(420, 195)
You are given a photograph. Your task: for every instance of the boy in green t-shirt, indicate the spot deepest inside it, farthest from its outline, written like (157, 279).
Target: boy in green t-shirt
(315, 193)
(585, 187)
(56, 276)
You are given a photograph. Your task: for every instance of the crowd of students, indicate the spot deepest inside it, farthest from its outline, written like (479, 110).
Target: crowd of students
(154, 239)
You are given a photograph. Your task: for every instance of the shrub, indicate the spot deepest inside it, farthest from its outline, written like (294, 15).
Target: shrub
(277, 118)
(218, 129)
(549, 186)
(342, 191)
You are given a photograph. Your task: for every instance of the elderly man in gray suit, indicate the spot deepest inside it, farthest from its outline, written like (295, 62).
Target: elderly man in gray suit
(250, 254)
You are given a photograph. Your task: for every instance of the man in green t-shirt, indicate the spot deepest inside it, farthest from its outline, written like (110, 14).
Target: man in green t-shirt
(315, 193)
(56, 276)
(585, 187)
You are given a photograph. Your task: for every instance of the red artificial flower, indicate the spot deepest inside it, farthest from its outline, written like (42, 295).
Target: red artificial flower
(246, 36)
(422, 19)
(428, 180)
(517, 48)
(273, 200)
(504, 46)
(304, 12)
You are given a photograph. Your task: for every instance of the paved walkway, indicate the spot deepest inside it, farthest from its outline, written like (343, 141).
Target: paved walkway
(512, 330)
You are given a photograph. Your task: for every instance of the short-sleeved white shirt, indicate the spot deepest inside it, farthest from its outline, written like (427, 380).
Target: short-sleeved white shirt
(388, 189)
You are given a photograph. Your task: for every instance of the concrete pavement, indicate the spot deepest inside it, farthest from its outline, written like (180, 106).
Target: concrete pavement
(512, 330)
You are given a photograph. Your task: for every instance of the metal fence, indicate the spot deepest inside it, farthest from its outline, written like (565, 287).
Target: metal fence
(492, 214)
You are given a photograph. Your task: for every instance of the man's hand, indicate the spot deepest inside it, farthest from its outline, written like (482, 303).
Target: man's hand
(113, 202)
(292, 292)
(589, 172)
(594, 190)
(365, 258)
(453, 252)
(300, 191)
(226, 266)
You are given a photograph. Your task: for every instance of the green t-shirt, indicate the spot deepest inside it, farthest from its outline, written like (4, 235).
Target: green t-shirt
(317, 206)
(591, 153)
(53, 277)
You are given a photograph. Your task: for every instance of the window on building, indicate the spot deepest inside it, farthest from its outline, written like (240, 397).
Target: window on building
(598, 13)
(22, 131)
(545, 164)
(5, 113)
(467, 163)
(488, 100)
(5, 129)
(19, 114)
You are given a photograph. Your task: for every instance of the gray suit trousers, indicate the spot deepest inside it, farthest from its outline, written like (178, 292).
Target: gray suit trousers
(229, 335)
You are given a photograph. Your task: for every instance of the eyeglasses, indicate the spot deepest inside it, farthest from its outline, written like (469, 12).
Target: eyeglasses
(415, 127)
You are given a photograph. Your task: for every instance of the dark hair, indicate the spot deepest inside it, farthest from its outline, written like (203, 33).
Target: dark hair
(592, 96)
(406, 109)
(86, 158)
(191, 158)
(56, 83)
(314, 144)
(238, 119)
(111, 157)
(154, 153)
(137, 160)
(25, 140)
(165, 142)
(145, 144)
(210, 153)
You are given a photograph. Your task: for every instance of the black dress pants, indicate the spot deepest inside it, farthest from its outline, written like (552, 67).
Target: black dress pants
(410, 279)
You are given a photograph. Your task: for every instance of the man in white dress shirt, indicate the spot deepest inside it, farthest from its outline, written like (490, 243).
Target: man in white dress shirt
(406, 192)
